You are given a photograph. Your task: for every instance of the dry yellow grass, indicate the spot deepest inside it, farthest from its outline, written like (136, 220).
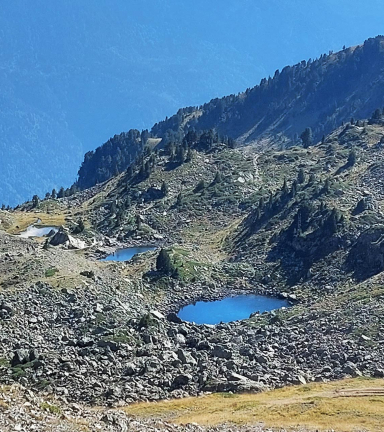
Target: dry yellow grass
(344, 406)
(210, 238)
(21, 220)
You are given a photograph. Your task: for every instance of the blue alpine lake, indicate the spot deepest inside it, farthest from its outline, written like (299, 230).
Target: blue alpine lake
(229, 309)
(36, 231)
(127, 253)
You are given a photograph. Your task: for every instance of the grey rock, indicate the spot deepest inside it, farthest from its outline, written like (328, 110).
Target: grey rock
(378, 373)
(20, 356)
(158, 315)
(85, 342)
(181, 380)
(130, 369)
(180, 339)
(186, 358)
(351, 369)
(172, 317)
(261, 359)
(6, 310)
(236, 377)
(221, 352)
(113, 346)
(203, 345)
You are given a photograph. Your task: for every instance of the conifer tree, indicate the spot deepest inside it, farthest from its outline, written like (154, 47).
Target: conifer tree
(231, 143)
(331, 222)
(35, 201)
(81, 225)
(188, 158)
(377, 114)
(306, 137)
(200, 186)
(142, 170)
(113, 208)
(180, 155)
(179, 200)
(327, 186)
(164, 263)
(312, 179)
(147, 169)
(301, 176)
(61, 193)
(285, 189)
(138, 222)
(130, 172)
(218, 178)
(351, 158)
(164, 188)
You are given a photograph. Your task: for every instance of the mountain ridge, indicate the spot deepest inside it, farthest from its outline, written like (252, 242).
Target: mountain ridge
(319, 94)
(300, 87)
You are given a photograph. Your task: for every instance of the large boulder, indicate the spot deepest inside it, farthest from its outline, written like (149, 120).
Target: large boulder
(351, 369)
(20, 356)
(63, 238)
(6, 311)
(181, 380)
(221, 352)
(186, 358)
(172, 317)
(235, 383)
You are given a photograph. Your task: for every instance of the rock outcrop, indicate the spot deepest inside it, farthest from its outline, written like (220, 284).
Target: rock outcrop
(63, 238)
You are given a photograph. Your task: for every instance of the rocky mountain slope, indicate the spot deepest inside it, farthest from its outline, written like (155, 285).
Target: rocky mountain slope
(303, 224)
(319, 94)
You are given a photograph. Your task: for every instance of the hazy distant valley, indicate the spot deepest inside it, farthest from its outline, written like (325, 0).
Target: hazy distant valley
(73, 75)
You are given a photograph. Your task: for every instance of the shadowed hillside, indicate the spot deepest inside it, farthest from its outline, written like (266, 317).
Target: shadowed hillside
(319, 94)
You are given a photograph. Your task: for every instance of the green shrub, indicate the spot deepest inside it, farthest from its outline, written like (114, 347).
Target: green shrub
(51, 272)
(4, 362)
(53, 409)
(147, 321)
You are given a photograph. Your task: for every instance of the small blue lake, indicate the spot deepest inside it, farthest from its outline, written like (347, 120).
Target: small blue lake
(229, 309)
(36, 231)
(127, 253)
